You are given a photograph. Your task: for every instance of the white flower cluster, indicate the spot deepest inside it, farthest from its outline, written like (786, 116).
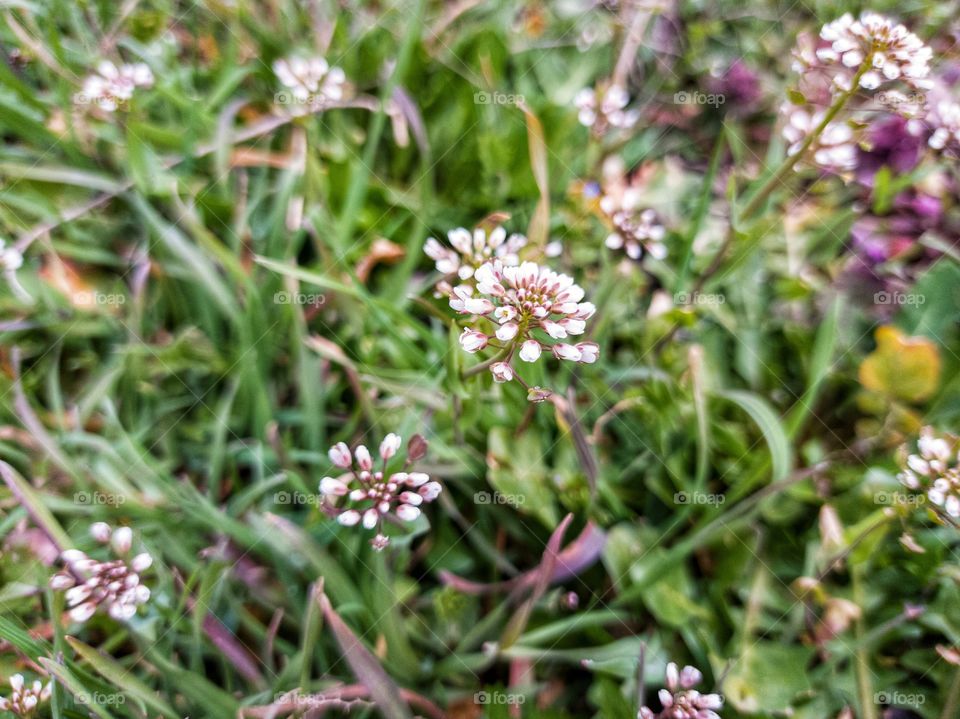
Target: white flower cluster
(605, 107)
(835, 150)
(470, 251)
(935, 470)
(25, 698)
(531, 307)
(945, 120)
(376, 493)
(637, 230)
(877, 49)
(112, 586)
(311, 81)
(680, 700)
(112, 87)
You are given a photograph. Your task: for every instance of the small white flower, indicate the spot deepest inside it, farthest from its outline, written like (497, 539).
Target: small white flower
(605, 107)
(349, 518)
(472, 340)
(311, 81)
(471, 250)
(112, 86)
(501, 371)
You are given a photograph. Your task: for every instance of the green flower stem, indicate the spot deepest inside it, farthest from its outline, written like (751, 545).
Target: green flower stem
(756, 202)
(487, 363)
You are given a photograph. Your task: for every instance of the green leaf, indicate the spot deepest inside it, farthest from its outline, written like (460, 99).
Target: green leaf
(765, 417)
(516, 470)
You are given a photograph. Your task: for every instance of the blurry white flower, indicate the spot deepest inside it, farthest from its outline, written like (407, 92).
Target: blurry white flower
(887, 50)
(112, 586)
(945, 120)
(635, 227)
(372, 494)
(605, 107)
(679, 700)
(835, 150)
(311, 81)
(531, 306)
(470, 250)
(935, 470)
(112, 87)
(24, 699)
(10, 258)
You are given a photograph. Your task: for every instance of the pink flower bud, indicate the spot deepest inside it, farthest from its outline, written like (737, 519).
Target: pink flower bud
(472, 340)
(340, 455)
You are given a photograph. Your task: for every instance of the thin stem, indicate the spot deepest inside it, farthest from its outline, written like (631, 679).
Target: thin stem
(761, 196)
(952, 706)
(486, 364)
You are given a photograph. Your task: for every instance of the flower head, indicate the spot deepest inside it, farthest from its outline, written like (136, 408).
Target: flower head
(311, 80)
(112, 586)
(374, 494)
(680, 700)
(532, 307)
(834, 151)
(935, 470)
(875, 49)
(470, 250)
(605, 107)
(112, 87)
(24, 698)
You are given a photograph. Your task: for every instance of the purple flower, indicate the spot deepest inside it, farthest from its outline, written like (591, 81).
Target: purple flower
(893, 142)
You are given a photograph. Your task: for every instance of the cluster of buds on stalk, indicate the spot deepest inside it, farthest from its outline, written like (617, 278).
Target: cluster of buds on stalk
(679, 700)
(374, 495)
(531, 308)
(469, 250)
(25, 698)
(858, 66)
(112, 586)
